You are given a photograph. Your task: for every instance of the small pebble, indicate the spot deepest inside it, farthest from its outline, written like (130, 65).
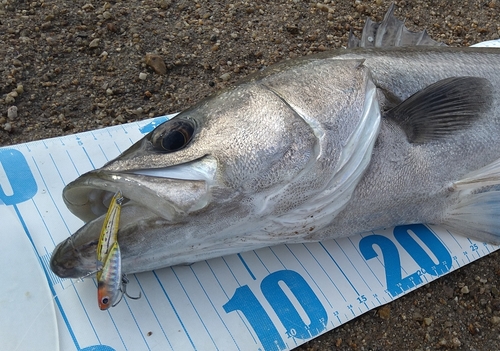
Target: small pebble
(465, 290)
(94, 43)
(109, 91)
(225, 77)
(427, 321)
(7, 127)
(143, 76)
(20, 89)
(417, 316)
(12, 112)
(384, 312)
(495, 320)
(156, 62)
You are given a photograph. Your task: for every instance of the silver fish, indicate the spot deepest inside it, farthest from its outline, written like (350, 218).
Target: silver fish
(320, 147)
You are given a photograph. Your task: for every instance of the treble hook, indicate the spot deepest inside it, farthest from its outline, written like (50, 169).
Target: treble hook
(123, 290)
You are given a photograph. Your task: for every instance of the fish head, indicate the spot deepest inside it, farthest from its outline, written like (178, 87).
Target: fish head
(213, 180)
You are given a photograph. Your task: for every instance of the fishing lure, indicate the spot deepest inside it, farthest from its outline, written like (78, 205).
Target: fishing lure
(109, 231)
(111, 284)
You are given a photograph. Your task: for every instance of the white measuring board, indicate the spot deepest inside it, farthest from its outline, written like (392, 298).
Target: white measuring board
(269, 299)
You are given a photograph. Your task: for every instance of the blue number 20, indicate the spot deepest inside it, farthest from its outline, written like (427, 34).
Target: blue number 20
(395, 283)
(245, 301)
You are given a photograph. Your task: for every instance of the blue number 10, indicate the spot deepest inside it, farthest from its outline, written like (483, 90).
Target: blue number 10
(245, 301)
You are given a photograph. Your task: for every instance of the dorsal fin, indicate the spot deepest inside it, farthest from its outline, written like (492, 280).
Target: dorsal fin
(391, 32)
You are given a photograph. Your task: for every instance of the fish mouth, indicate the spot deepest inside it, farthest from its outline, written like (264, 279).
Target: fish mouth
(170, 192)
(152, 197)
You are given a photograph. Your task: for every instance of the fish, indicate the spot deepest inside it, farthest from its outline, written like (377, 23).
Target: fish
(396, 129)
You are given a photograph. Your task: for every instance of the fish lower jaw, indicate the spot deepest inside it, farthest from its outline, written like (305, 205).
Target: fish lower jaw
(99, 201)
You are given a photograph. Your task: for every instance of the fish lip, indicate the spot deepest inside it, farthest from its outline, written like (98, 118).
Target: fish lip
(88, 196)
(67, 261)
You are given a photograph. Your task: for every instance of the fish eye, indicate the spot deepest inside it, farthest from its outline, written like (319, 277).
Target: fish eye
(173, 135)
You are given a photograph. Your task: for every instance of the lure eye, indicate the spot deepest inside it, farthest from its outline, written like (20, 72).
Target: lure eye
(173, 135)
(105, 300)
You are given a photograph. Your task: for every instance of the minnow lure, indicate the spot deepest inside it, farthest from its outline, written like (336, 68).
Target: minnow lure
(109, 279)
(109, 231)
(111, 284)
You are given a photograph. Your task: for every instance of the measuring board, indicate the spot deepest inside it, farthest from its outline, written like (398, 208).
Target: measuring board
(270, 299)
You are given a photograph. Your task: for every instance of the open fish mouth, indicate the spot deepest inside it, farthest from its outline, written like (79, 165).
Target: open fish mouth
(169, 192)
(151, 198)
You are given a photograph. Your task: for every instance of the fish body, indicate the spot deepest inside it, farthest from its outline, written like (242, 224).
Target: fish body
(321, 147)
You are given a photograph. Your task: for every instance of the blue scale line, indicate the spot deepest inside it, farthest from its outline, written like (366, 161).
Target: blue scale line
(230, 270)
(439, 238)
(310, 276)
(152, 310)
(340, 269)
(57, 169)
(366, 263)
(268, 271)
(323, 269)
(117, 147)
(74, 166)
(50, 194)
(53, 278)
(246, 266)
(85, 311)
(353, 266)
(104, 154)
(175, 310)
(90, 160)
(227, 296)
(215, 309)
(453, 236)
(136, 324)
(195, 310)
(487, 249)
(56, 298)
(44, 223)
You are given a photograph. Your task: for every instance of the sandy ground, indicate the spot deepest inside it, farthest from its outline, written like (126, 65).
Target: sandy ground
(72, 66)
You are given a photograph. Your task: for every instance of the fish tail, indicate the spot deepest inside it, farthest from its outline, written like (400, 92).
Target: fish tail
(477, 211)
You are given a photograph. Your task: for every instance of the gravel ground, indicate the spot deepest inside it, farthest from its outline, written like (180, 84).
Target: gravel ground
(72, 66)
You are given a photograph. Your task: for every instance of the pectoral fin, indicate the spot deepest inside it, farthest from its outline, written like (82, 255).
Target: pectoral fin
(443, 108)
